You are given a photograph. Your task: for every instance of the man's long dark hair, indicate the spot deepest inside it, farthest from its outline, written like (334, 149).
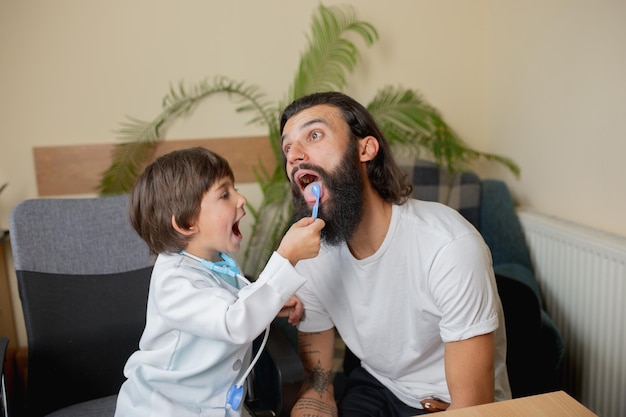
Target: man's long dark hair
(383, 172)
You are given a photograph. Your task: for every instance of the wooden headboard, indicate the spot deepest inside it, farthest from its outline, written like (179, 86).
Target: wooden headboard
(77, 169)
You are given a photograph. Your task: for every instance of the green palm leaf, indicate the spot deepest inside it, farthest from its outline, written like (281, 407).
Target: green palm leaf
(330, 55)
(414, 126)
(139, 137)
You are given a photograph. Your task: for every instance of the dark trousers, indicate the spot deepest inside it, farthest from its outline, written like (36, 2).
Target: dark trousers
(364, 396)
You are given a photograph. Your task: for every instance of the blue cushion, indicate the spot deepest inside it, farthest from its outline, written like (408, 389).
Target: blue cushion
(500, 226)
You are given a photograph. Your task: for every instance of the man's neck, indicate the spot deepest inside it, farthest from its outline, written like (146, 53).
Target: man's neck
(373, 227)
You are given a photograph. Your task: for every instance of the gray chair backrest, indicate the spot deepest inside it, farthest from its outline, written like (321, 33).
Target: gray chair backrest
(76, 236)
(83, 275)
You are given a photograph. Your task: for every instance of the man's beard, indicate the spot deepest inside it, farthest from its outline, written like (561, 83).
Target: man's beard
(342, 212)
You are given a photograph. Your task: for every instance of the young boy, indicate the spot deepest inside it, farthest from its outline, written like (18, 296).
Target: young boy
(202, 314)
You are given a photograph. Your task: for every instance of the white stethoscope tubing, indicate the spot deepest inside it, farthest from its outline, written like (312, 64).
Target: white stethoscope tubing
(256, 358)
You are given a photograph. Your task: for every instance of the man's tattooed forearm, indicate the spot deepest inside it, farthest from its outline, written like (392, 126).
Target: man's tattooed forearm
(304, 346)
(318, 379)
(315, 408)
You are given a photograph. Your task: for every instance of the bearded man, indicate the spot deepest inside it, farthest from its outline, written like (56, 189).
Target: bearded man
(407, 284)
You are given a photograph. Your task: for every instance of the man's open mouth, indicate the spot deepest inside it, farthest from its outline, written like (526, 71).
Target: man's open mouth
(305, 178)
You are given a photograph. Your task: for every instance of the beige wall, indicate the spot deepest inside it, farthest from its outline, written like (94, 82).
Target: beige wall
(541, 81)
(556, 75)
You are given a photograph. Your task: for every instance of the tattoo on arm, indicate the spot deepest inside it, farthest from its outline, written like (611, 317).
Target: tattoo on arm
(305, 346)
(316, 397)
(315, 408)
(318, 379)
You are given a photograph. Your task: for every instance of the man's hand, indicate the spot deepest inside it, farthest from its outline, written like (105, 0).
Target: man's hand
(317, 397)
(293, 310)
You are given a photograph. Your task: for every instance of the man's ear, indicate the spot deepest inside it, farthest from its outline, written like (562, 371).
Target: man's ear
(368, 148)
(187, 232)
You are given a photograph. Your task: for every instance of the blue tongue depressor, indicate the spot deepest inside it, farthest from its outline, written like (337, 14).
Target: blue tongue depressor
(317, 192)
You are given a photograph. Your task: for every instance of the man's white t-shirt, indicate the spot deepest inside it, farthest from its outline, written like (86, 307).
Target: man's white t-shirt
(430, 282)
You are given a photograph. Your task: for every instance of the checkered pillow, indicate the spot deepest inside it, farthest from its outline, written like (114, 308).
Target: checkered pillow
(461, 190)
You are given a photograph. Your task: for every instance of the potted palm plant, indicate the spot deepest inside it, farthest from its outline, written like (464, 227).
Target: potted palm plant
(407, 120)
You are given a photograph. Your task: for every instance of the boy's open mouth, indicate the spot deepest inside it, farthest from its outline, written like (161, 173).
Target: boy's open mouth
(236, 230)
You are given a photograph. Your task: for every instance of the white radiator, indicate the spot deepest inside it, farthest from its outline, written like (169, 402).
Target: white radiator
(582, 273)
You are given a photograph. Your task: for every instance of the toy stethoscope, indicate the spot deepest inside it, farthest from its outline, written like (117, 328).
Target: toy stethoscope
(229, 272)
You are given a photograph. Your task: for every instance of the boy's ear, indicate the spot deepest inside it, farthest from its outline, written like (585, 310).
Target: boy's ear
(187, 232)
(368, 148)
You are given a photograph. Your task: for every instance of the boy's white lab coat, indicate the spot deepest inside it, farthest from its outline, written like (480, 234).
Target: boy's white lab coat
(198, 337)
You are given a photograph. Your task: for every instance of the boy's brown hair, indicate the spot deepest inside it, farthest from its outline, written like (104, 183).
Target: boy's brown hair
(173, 185)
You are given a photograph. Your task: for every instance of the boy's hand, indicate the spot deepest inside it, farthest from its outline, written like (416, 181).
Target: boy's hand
(302, 240)
(293, 310)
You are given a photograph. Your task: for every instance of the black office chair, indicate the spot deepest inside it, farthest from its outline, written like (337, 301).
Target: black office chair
(83, 276)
